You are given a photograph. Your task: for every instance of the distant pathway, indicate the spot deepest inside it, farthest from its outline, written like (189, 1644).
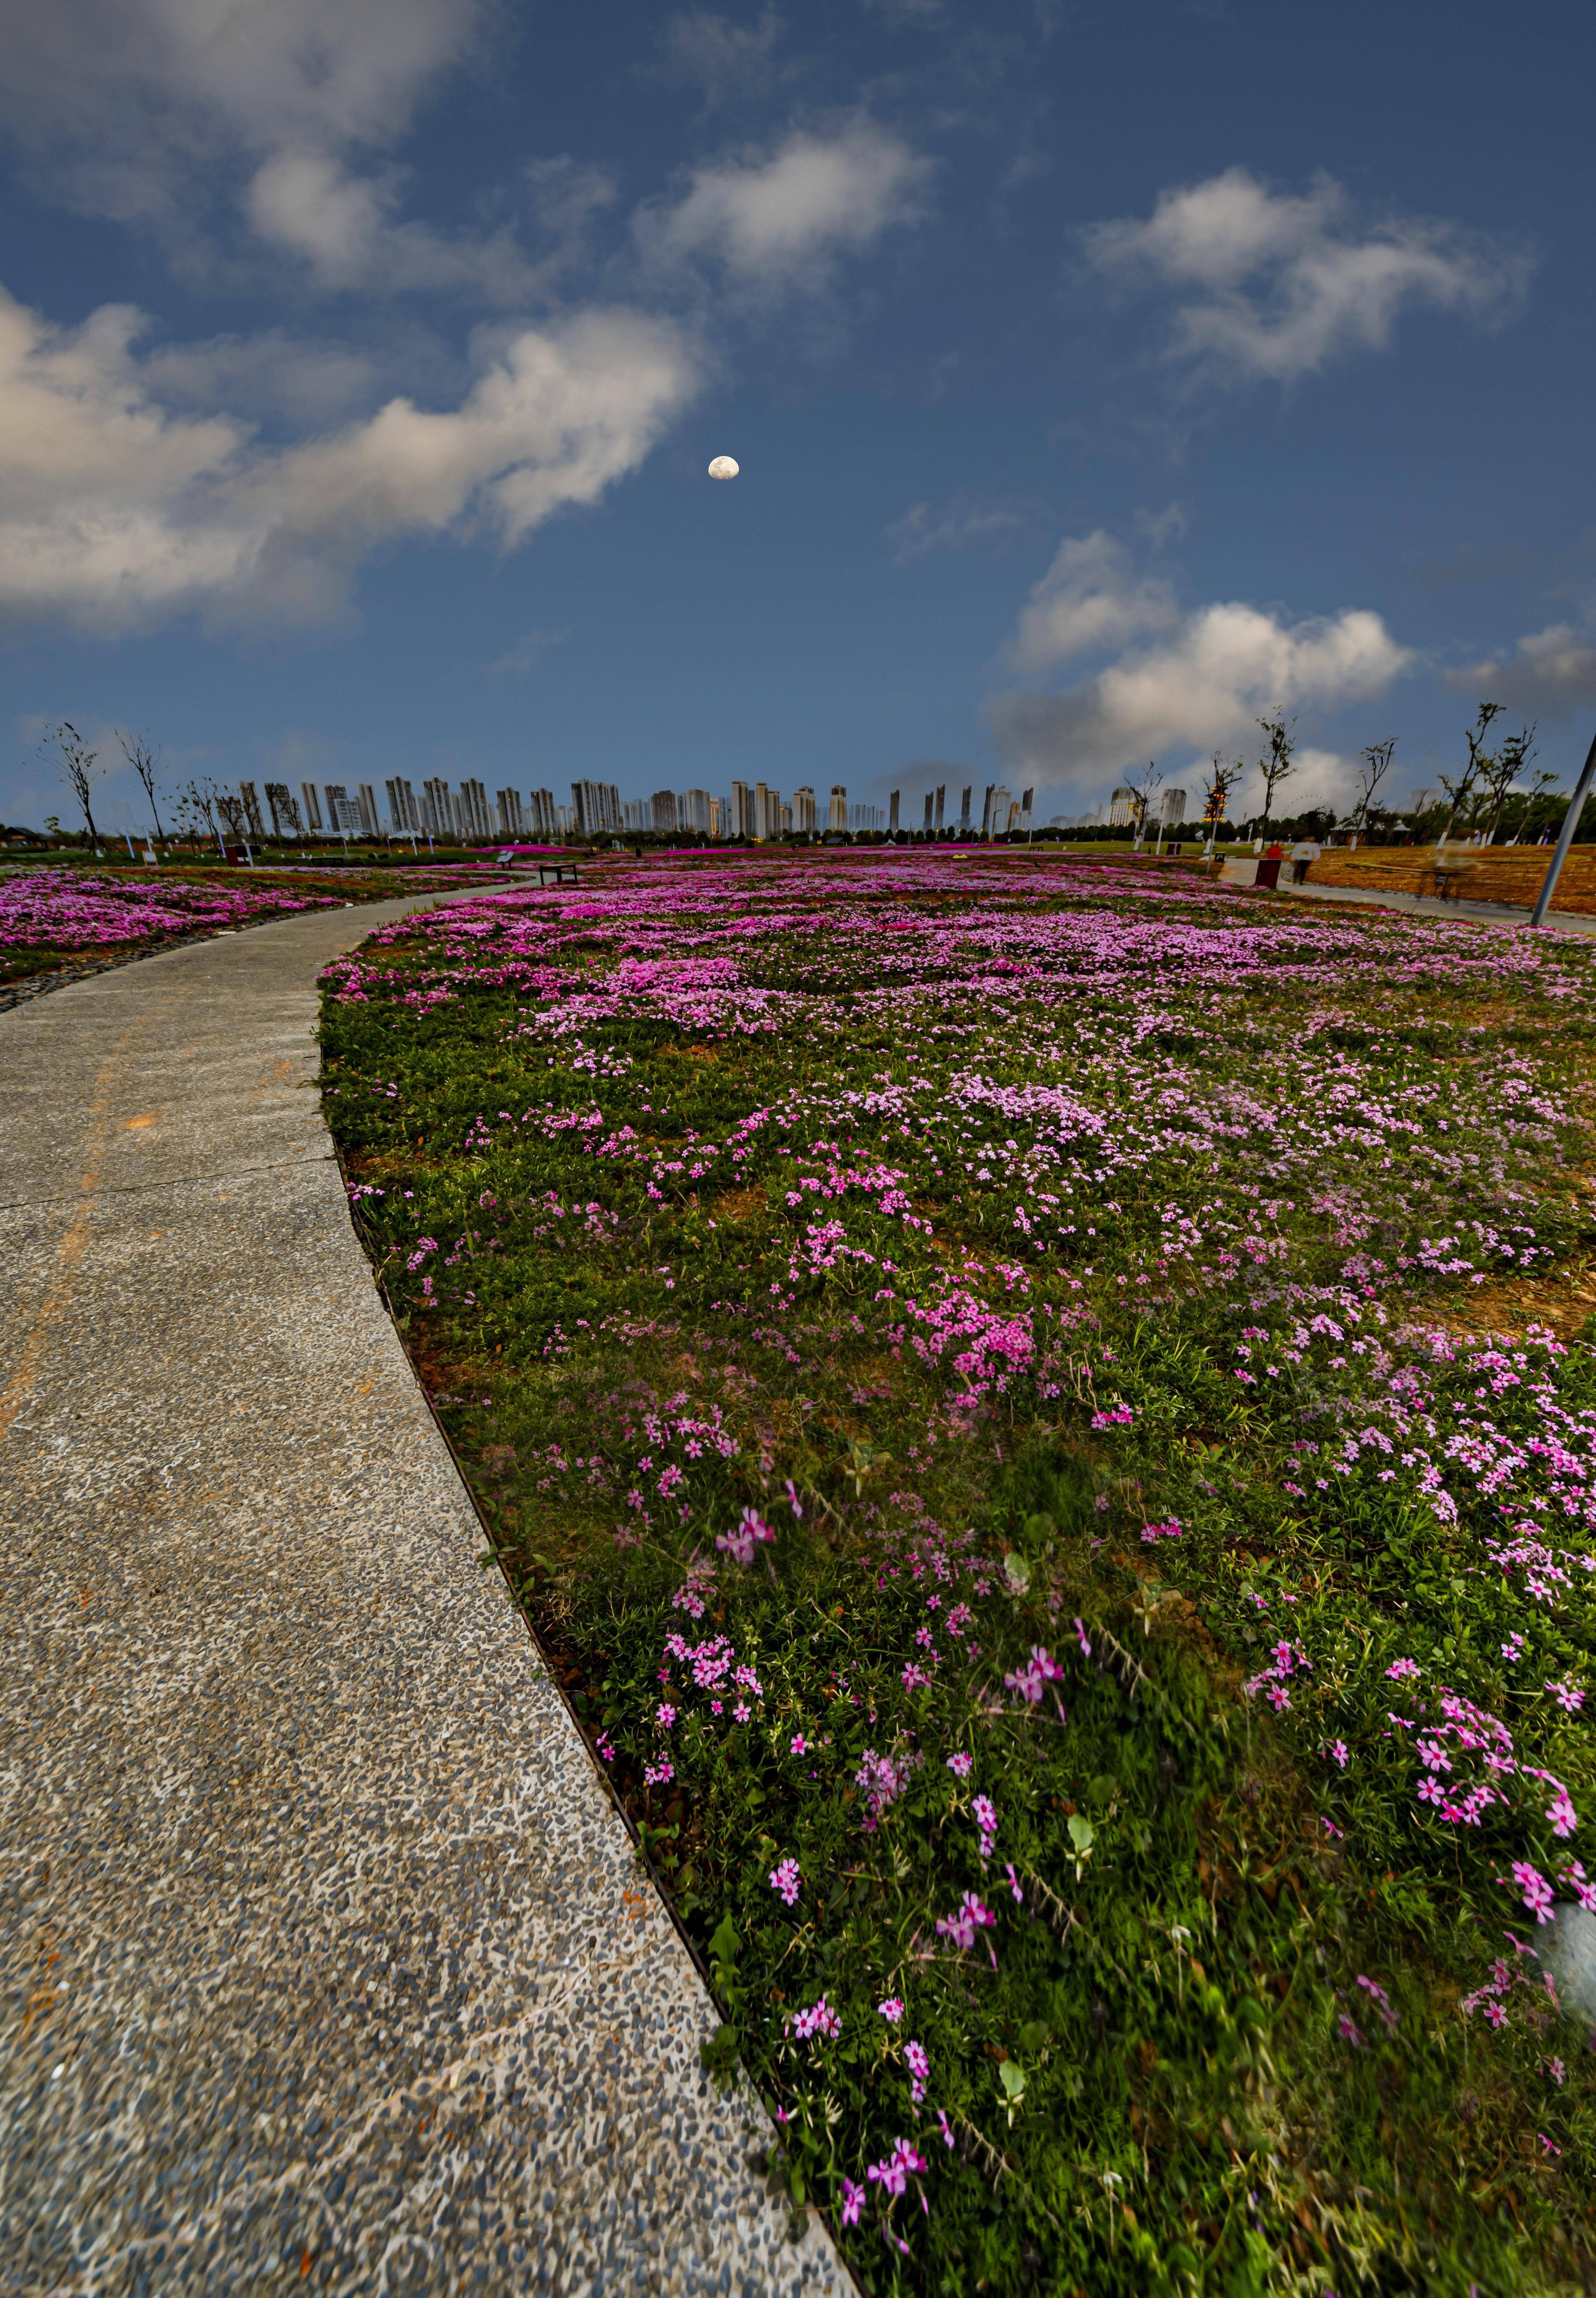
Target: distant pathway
(326, 1963)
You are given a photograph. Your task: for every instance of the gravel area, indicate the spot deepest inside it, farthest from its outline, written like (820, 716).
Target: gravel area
(327, 1964)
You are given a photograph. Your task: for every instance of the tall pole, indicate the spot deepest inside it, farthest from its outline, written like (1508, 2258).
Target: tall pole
(1565, 838)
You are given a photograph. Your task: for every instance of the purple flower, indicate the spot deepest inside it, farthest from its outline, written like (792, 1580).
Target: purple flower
(797, 1745)
(891, 2010)
(1014, 1884)
(946, 2132)
(960, 1764)
(920, 2067)
(660, 1774)
(664, 1717)
(784, 1882)
(852, 2202)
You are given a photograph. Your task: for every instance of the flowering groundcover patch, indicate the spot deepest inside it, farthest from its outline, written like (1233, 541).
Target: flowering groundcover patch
(49, 916)
(1041, 1419)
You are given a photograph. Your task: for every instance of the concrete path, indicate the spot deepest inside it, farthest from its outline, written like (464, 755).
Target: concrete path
(327, 1964)
(1501, 914)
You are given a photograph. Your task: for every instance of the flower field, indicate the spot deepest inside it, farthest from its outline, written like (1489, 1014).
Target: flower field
(1042, 1419)
(50, 916)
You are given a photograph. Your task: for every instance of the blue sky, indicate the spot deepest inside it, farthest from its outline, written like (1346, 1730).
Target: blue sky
(1100, 376)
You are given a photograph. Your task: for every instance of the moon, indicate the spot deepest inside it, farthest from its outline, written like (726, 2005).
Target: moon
(723, 467)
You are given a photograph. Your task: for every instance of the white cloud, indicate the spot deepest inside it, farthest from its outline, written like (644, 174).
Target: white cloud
(528, 652)
(1089, 599)
(776, 219)
(134, 108)
(1279, 284)
(118, 512)
(968, 518)
(1554, 671)
(307, 380)
(1200, 684)
(725, 63)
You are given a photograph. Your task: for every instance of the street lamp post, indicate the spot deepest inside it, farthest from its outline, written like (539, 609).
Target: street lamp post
(1565, 838)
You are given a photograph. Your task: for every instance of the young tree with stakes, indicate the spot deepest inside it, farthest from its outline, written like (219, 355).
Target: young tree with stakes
(1276, 767)
(144, 759)
(1376, 766)
(1461, 789)
(64, 750)
(1222, 777)
(1141, 787)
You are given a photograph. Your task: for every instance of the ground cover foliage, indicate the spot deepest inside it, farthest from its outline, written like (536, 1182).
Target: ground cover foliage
(1041, 1418)
(52, 915)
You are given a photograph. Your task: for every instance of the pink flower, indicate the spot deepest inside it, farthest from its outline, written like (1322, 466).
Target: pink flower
(966, 1921)
(1081, 1638)
(1169, 1530)
(1537, 1890)
(1338, 1753)
(852, 2202)
(784, 1882)
(603, 1747)
(986, 1819)
(914, 1677)
(1399, 1668)
(893, 2172)
(960, 1764)
(920, 2067)
(664, 1717)
(1014, 1884)
(742, 1711)
(660, 1774)
(946, 2132)
(819, 2019)
(891, 2010)
(1568, 1695)
(797, 1745)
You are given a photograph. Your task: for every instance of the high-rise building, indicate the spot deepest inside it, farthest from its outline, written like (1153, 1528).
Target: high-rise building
(597, 806)
(997, 814)
(941, 794)
(892, 813)
(692, 811)
(964, 812)
(541, 811)
(636, 814)
(929, 804)
(312, 802)
(785, 824)
(512, 820)
(836, 812)
(565, 820)
(1172, 811)
(403, 814)
(663, 806)
(471, 815)
(741, 821)
(1122, 806)
(343, 815)
(985, 812)
(803, 809)
(864, 817)
(366, 800)
(437, 810)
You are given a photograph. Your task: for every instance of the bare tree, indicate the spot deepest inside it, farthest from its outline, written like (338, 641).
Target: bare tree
(144, 759)
(196, 805)
(1376, 766)
(1277, 766)
(1463, 790)
(1501, 772)
(64, 750)
(231, 810)
(1543, 778)
(1141, 786)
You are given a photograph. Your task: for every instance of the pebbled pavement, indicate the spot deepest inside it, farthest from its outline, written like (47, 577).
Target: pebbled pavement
(326, 1963)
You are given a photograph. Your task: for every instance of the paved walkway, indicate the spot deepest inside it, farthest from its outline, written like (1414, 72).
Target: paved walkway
(1501, 914)
(326, 1965)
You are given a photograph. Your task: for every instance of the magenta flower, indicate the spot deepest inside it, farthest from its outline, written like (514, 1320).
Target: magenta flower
(797, 1745)
(853, 2202)
(891, 2010)
(986, 1820)
(819, 2019)
(784, 1882)
(664, 1717)
(960, 1764)
(920, 2067)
